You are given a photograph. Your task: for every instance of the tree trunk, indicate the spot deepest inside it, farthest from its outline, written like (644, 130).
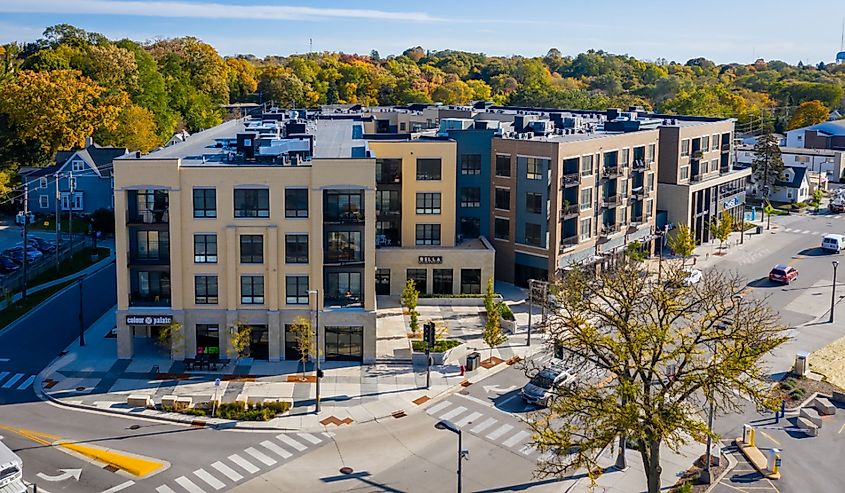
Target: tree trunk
(650, 452)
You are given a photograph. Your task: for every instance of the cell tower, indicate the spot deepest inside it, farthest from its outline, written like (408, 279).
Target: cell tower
(840, 57)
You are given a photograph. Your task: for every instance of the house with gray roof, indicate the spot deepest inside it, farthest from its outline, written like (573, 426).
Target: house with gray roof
(825, 135)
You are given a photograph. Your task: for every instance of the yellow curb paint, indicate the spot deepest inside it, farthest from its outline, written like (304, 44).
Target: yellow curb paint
(769, 437)
(136, 466)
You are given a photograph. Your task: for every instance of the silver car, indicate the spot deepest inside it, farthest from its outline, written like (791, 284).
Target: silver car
(540, 388)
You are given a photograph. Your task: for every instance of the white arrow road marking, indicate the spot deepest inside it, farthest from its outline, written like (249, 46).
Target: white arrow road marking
(66, 474)
(115, 489)
(499, 390)
(4, 360)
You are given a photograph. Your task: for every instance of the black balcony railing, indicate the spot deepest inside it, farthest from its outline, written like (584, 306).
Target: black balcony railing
(569, 211)
(611, 200)
(641, 165)
(149, 216)
(610, 173)
(608, 229)
(570, 180)
(568, 242)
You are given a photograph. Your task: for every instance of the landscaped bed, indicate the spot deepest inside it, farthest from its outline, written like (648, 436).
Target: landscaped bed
(238, 411)
(794, 389)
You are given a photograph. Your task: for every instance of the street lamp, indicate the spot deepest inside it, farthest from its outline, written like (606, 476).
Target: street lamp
(833, 290)
(445, 424)
(316, 293)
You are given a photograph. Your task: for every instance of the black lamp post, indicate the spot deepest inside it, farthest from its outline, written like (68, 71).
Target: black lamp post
(833, 290)
(445, 424)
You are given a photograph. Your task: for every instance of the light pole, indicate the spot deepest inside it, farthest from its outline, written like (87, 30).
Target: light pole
(316, 293)
(445, 424)
(530, 308)
(833, 290)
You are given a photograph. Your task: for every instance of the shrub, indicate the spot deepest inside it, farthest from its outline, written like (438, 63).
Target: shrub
(194, 412)
(797, 394)
(788, 384)
(505, 311)
(685, 488)
(439, 346)
(259, 412)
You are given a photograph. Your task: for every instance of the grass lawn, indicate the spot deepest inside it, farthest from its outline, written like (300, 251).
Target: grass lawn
(49, 224)
(79, 261)
(19, 308)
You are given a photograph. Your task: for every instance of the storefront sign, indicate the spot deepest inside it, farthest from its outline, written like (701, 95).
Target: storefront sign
(430, 259)
(731, 203)
(149, 319)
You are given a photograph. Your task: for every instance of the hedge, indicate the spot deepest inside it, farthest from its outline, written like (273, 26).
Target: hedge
(440, 346)
(478, 296)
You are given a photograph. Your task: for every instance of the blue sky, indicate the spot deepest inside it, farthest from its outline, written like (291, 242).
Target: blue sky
(722, 30)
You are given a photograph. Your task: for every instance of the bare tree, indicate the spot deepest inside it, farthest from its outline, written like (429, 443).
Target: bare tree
(655, 350)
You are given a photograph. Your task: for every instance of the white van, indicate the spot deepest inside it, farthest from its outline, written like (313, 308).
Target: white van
(11, 471)
(833, 243)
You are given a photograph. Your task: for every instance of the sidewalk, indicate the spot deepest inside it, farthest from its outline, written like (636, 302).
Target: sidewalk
(91, 378)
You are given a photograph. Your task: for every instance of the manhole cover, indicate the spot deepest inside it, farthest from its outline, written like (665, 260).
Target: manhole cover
(134, 427)
(346, 470)
(80, 389)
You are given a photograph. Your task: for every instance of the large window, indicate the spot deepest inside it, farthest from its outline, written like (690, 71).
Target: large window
(145, 206)
(296, 249)
(296, 290)
(152, 245)
(252, 249)
(470, 281)
(208, 339)
(534, 168)
(420, 278)
(442, 281)
(296, 202)
(388, 201)
(252, 290)
(149, 288)
(470, 164)
(586, 229)
(471, 226)
(586, 165)
(252, 202)
(428, 168)
(470, 197)
(205, 290)
(428, 234)
(344, 206)
(503, 165)
(344, 246)
(205, 202)
(705, 143)
(502, 229)
(685, 148)
(652, 150)
(684, 173)
(586, 199)
(388, 171)
(205, 249)
(534, 203)
(428, 203)
(532, 234)
(343, 289)
(502, 199)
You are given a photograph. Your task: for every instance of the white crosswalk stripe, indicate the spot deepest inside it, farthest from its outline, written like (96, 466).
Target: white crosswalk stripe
(165, 489)
(291, 442)
(243, 463)
(272, 447)
(26, 383)
(499, 432)
(518, 437)
(483, 425)
(189, 485)
(268, 461)
(527, 450)
(208, 478)
(469, 418)
(454, 412)
(327, 434)
(12, 380)
(310, 438)
(432, 410)
(3, 375)
(227, 471)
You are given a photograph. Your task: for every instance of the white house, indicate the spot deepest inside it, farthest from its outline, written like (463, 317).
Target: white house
(826, 161)
(793, 188)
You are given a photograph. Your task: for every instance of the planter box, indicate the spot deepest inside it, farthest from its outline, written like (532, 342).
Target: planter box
(453, 355)
(508, 326)
(455, 301)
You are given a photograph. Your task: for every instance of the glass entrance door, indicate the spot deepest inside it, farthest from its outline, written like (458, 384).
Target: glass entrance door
(382, 282)
(344, 343)
(259, 344)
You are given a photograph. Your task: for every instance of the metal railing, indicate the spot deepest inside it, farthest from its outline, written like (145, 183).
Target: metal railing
(611, 201)
(13, 282)
(570, 180)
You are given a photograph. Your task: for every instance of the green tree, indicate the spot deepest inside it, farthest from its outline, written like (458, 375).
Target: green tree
(767, 164)
(666, 348)
(410, 296)
(240, 337)
(682, 242)
(492, 335)
(305, 340)
(284, 88)
(635, 251)
(721, 227)
(808, 113)
(171, 338)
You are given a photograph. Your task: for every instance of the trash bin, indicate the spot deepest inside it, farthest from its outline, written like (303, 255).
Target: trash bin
(759, 230)
(473, 359)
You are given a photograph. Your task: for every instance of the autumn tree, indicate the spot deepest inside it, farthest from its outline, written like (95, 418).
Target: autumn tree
(240, 337)
(808, 113)
(767, 164)
(649, 355)
(410, 296)
(284, 88)
(58, 109)
(135, 129)
(682, 242)
(721, 227)
(304, 338)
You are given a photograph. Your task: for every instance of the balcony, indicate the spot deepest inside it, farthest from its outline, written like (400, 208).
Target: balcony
(149, 216)
(343, 216)
(611, 201)
(607, 230)
(610, 173)
(641, 165)
(569, 211)
(568, 243)
(570, 180)
(638, 193)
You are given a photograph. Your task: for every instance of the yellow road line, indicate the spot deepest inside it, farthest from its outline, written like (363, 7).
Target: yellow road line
(769, 437)
(134, 465)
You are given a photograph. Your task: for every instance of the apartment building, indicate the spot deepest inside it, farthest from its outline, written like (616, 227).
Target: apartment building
(697, 179)
(571, 188)
(259, 222)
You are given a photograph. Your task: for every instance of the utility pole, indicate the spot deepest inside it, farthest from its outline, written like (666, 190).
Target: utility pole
(25, 237)
(72, 188)
(530, 310)
(58, 221)
(316, 293)
(81, 313)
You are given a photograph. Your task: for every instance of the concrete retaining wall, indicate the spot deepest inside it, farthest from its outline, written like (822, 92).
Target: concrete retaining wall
(455, 301)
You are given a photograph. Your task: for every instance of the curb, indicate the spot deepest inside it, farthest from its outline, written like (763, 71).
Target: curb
(237, 425)
(732, 462)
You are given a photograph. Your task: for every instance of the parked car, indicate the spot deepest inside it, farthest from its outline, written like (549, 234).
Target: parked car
(19, 218)
(8, 265)
(833, 243)
(540, 388)
(17, 253)
(783, 274)
(42, 245)
(693, 277)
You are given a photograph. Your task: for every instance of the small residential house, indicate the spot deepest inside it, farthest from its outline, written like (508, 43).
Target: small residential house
(793, 188)
(84, 178)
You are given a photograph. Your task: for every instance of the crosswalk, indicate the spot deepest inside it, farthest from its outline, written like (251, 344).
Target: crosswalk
(10, 380)
(494, 429)
(237, 467)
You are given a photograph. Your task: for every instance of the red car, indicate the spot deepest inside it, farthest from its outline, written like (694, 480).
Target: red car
(783, 274)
